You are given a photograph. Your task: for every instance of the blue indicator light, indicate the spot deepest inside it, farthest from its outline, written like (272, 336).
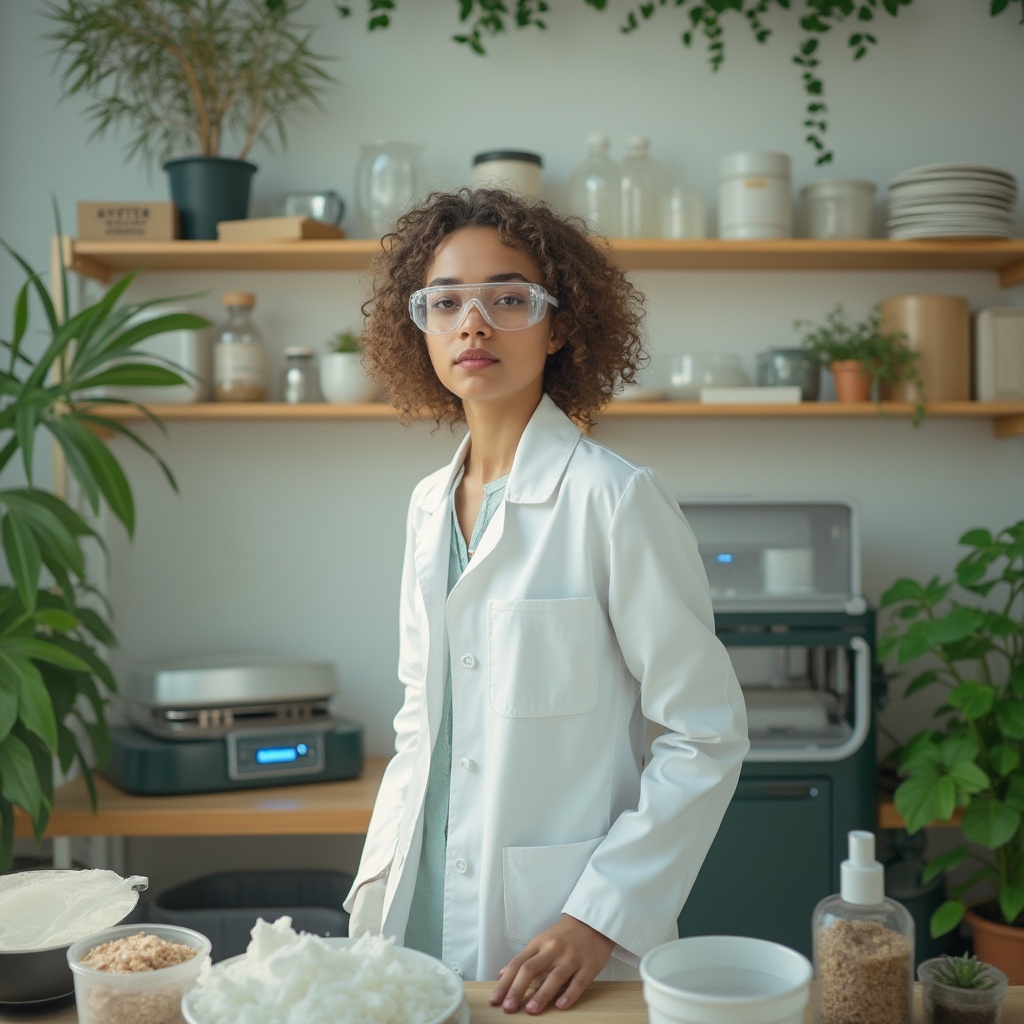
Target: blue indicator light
(302, 749)
(276, 755)
(723, 558)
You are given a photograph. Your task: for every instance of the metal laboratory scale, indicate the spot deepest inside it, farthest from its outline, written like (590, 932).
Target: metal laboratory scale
(200, 725)
(785, 586)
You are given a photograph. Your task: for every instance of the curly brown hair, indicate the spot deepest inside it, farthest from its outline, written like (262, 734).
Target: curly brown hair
(598, 318)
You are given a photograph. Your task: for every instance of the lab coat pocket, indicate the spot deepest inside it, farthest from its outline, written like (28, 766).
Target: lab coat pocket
(541, 657)
(537, 881)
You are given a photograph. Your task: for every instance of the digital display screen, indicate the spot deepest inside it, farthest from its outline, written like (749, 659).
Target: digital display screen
(280, 755)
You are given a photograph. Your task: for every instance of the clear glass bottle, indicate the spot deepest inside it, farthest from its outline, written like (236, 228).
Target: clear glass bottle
(595, 188)
(863, 946)
(644, 185)
(239, 356)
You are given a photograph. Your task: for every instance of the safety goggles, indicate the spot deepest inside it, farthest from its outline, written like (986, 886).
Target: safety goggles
(505, 305)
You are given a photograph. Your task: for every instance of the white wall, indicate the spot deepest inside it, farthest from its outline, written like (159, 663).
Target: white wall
(288, 535)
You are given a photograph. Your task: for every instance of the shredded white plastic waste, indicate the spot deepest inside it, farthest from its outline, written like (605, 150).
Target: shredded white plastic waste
(287, 976)
(44, 909)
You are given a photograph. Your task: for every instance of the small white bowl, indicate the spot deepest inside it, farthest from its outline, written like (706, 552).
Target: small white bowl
(725, 979)
(343, 379)
(103, 997)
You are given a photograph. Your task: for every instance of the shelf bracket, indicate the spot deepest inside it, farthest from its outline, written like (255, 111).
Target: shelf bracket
(1011, 275)
(1008, 426)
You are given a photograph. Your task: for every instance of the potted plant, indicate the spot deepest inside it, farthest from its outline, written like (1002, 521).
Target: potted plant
(960, 990)
(54, 677)
(971, 631)
(343, 378)
(185, 76)
(861, 356)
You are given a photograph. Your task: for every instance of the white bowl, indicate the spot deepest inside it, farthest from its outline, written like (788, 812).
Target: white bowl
(682, 375)
(103, 997)
(456, 1012)
(343, 380)
(725, 979)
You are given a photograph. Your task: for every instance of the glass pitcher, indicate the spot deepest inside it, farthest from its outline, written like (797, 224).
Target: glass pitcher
(388, 181)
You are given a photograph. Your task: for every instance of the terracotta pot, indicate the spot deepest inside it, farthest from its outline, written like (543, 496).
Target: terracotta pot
(1000, 945)
(853, 383)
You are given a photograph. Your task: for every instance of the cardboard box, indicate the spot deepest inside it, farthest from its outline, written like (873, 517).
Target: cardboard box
(128, 222)
(275, 229)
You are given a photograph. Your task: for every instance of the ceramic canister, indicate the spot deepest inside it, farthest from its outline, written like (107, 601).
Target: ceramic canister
(939, 328)
(755, 196)
(510, 169)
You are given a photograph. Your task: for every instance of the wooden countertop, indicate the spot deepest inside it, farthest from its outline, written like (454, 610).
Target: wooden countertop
(321, 808)
(605, 1002)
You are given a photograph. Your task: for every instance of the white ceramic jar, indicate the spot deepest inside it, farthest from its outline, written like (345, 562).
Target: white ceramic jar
(837, 208)
(754, 195)
(511, 169)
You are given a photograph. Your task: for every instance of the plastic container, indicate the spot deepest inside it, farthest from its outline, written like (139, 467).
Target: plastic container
(594, 189)
(725, 979)
(863, 946)
(226, 906)
(684, 374)
(755, 196)
(153, 996)
(683, 214)
(947, 1004)
(644, 189)
(513, 170)
(239, 356)
(838, 208)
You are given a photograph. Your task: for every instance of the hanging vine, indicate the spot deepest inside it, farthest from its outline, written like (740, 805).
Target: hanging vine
(483, 20)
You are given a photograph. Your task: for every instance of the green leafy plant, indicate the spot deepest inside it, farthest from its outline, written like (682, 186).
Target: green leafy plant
(184, 74)
(885, 355)
(963, 972)
(345, 341)
(54, 679)
(971, 630)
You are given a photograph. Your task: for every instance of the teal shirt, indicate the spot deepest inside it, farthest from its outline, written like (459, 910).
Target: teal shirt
(425, 930)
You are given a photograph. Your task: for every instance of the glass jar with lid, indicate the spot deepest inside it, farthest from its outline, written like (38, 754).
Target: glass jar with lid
(239, 355)
(299, 380)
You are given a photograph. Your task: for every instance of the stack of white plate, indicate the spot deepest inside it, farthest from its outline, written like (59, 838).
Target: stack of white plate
(952, 201)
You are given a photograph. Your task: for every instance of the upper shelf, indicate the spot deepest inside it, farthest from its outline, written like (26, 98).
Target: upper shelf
(1004, 257)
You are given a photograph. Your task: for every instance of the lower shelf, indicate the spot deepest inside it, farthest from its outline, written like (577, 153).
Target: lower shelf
(1007, 417)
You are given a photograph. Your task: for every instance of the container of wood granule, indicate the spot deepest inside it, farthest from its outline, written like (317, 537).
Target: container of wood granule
(863, 946)
(135, 973)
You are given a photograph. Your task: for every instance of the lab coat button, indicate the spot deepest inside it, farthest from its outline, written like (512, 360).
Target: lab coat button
(461, 866)
(465, 764)
(468, 660)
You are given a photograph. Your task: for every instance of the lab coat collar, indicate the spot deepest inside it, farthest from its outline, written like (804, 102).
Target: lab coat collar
(543, 453)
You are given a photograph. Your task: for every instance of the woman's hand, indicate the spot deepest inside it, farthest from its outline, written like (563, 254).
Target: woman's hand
(564, 959)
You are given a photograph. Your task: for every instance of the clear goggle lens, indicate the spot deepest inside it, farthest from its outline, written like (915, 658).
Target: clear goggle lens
(506, 306)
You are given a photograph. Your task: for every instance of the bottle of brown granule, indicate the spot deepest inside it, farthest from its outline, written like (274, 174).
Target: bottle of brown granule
(863, 946)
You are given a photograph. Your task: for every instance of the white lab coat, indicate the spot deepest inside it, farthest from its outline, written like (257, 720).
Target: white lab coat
(584, 611)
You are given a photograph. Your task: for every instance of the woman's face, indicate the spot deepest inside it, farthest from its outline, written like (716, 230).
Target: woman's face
(475, 361)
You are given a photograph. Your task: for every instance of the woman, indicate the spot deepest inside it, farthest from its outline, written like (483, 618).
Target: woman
(553, 602)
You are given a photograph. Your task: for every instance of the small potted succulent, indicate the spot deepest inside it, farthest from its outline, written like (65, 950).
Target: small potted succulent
(961, 990)
(343, 378)
(862, 356)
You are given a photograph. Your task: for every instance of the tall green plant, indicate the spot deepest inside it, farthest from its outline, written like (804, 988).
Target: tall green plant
(54, 629)
(183, 74)
(971, 629)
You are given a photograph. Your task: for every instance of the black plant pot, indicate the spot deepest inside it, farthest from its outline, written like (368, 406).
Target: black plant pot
(208, 189)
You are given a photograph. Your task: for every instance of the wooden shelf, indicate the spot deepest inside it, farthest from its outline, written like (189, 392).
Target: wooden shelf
(318, 808)
(1007, 417)
(889, 817)
(1005, 257)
